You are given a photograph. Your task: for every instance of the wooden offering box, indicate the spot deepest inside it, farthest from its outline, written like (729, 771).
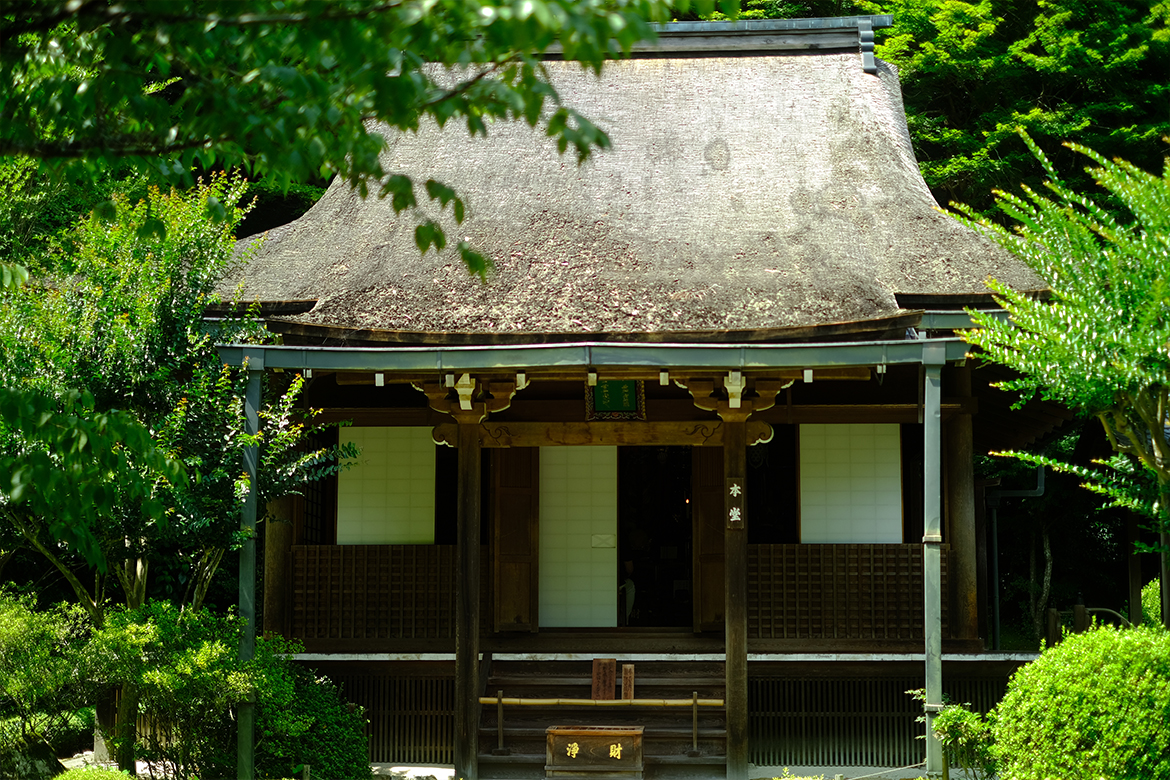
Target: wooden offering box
(593, 752)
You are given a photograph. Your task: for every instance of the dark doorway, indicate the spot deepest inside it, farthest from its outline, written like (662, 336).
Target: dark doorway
(654, 537)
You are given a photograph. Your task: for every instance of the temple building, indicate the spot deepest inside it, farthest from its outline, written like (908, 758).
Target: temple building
(707, 417)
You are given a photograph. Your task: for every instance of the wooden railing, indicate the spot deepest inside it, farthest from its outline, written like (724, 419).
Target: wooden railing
(795, 591)
(373, 592)
(838, 591)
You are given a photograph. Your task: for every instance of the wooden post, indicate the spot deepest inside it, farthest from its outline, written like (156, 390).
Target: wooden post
(734, 409)
(960, 484)
(1080, 618)
(278, 538)
(246, 715)
(932, 552)
(735, 594)
(467, 604)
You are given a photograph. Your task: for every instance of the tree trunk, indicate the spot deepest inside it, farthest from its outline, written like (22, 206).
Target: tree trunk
(1047, 586)
(1038, 592)
(1037, 625)
(1164, 554)
(126, 728)
(106, 710)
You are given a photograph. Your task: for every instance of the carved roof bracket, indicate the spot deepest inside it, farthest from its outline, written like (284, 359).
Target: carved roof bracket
(733, 397)
(467, 400)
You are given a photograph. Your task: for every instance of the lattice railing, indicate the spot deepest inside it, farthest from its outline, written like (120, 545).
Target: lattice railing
(373, 592)
(838, 591)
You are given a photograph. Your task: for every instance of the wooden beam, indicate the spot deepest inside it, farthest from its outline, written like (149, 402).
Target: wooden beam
(418, 416)
(675, 434)
(851, 413)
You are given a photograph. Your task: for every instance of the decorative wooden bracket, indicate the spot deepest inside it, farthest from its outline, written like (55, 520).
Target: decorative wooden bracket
(739, 398)
(473, 400)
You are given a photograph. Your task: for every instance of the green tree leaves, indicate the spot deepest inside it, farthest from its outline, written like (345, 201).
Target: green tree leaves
(285, 90)
(974, 72)
(68, 466)
(1100, 342)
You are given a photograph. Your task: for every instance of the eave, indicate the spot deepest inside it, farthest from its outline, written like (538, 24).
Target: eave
(597, 354)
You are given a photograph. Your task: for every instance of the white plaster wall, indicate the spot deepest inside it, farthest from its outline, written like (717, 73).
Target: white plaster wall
(388, 496)
(850, 484)
(578, 536)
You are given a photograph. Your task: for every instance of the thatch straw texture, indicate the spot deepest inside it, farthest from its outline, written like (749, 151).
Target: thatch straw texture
(753, 192)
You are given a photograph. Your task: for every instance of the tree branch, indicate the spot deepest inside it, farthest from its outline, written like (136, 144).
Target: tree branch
(91, 603)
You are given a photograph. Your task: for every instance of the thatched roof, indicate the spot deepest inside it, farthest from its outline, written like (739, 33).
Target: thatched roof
(742, 193)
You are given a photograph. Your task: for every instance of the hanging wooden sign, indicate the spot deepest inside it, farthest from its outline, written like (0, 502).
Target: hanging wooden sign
(615, 399)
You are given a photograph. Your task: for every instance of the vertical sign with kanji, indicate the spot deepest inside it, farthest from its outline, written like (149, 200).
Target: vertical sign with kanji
(734, 502)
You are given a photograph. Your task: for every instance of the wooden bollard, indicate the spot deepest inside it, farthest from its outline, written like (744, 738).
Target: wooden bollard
(1052, 632)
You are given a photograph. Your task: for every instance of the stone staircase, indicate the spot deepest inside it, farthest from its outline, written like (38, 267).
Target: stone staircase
(669, 737)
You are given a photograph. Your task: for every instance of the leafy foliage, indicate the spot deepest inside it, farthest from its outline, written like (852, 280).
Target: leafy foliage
(184, 669)
(1097, 342)
(44, 671)
(309, 723)
(186, 674)
(974, 72)
(69, 465)
(116, 320)
(93, 773)
(288, 90)
(1095, 705)
(1152, 603)
(966, 740)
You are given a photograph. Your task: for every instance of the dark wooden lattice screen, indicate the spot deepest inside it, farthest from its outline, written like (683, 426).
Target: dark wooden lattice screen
(838, 591)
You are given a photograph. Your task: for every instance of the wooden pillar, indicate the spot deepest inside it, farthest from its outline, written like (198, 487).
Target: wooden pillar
(932, 554)
(734, 406)
(246, 714)
(735, 592)
(278, 538)
(467, 603)
(960, 486)
(471, 405)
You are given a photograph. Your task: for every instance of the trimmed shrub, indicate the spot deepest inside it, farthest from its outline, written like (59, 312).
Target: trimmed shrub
(1096, 705)
(93, 773)
(1152, 604)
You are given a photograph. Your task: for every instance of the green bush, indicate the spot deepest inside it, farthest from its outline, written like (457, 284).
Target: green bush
(184, 669)
(966, 739)
(93, 773)
(300, 719)
(1152, 604)
(315, 726)
(44, 671)
(1096, 705)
